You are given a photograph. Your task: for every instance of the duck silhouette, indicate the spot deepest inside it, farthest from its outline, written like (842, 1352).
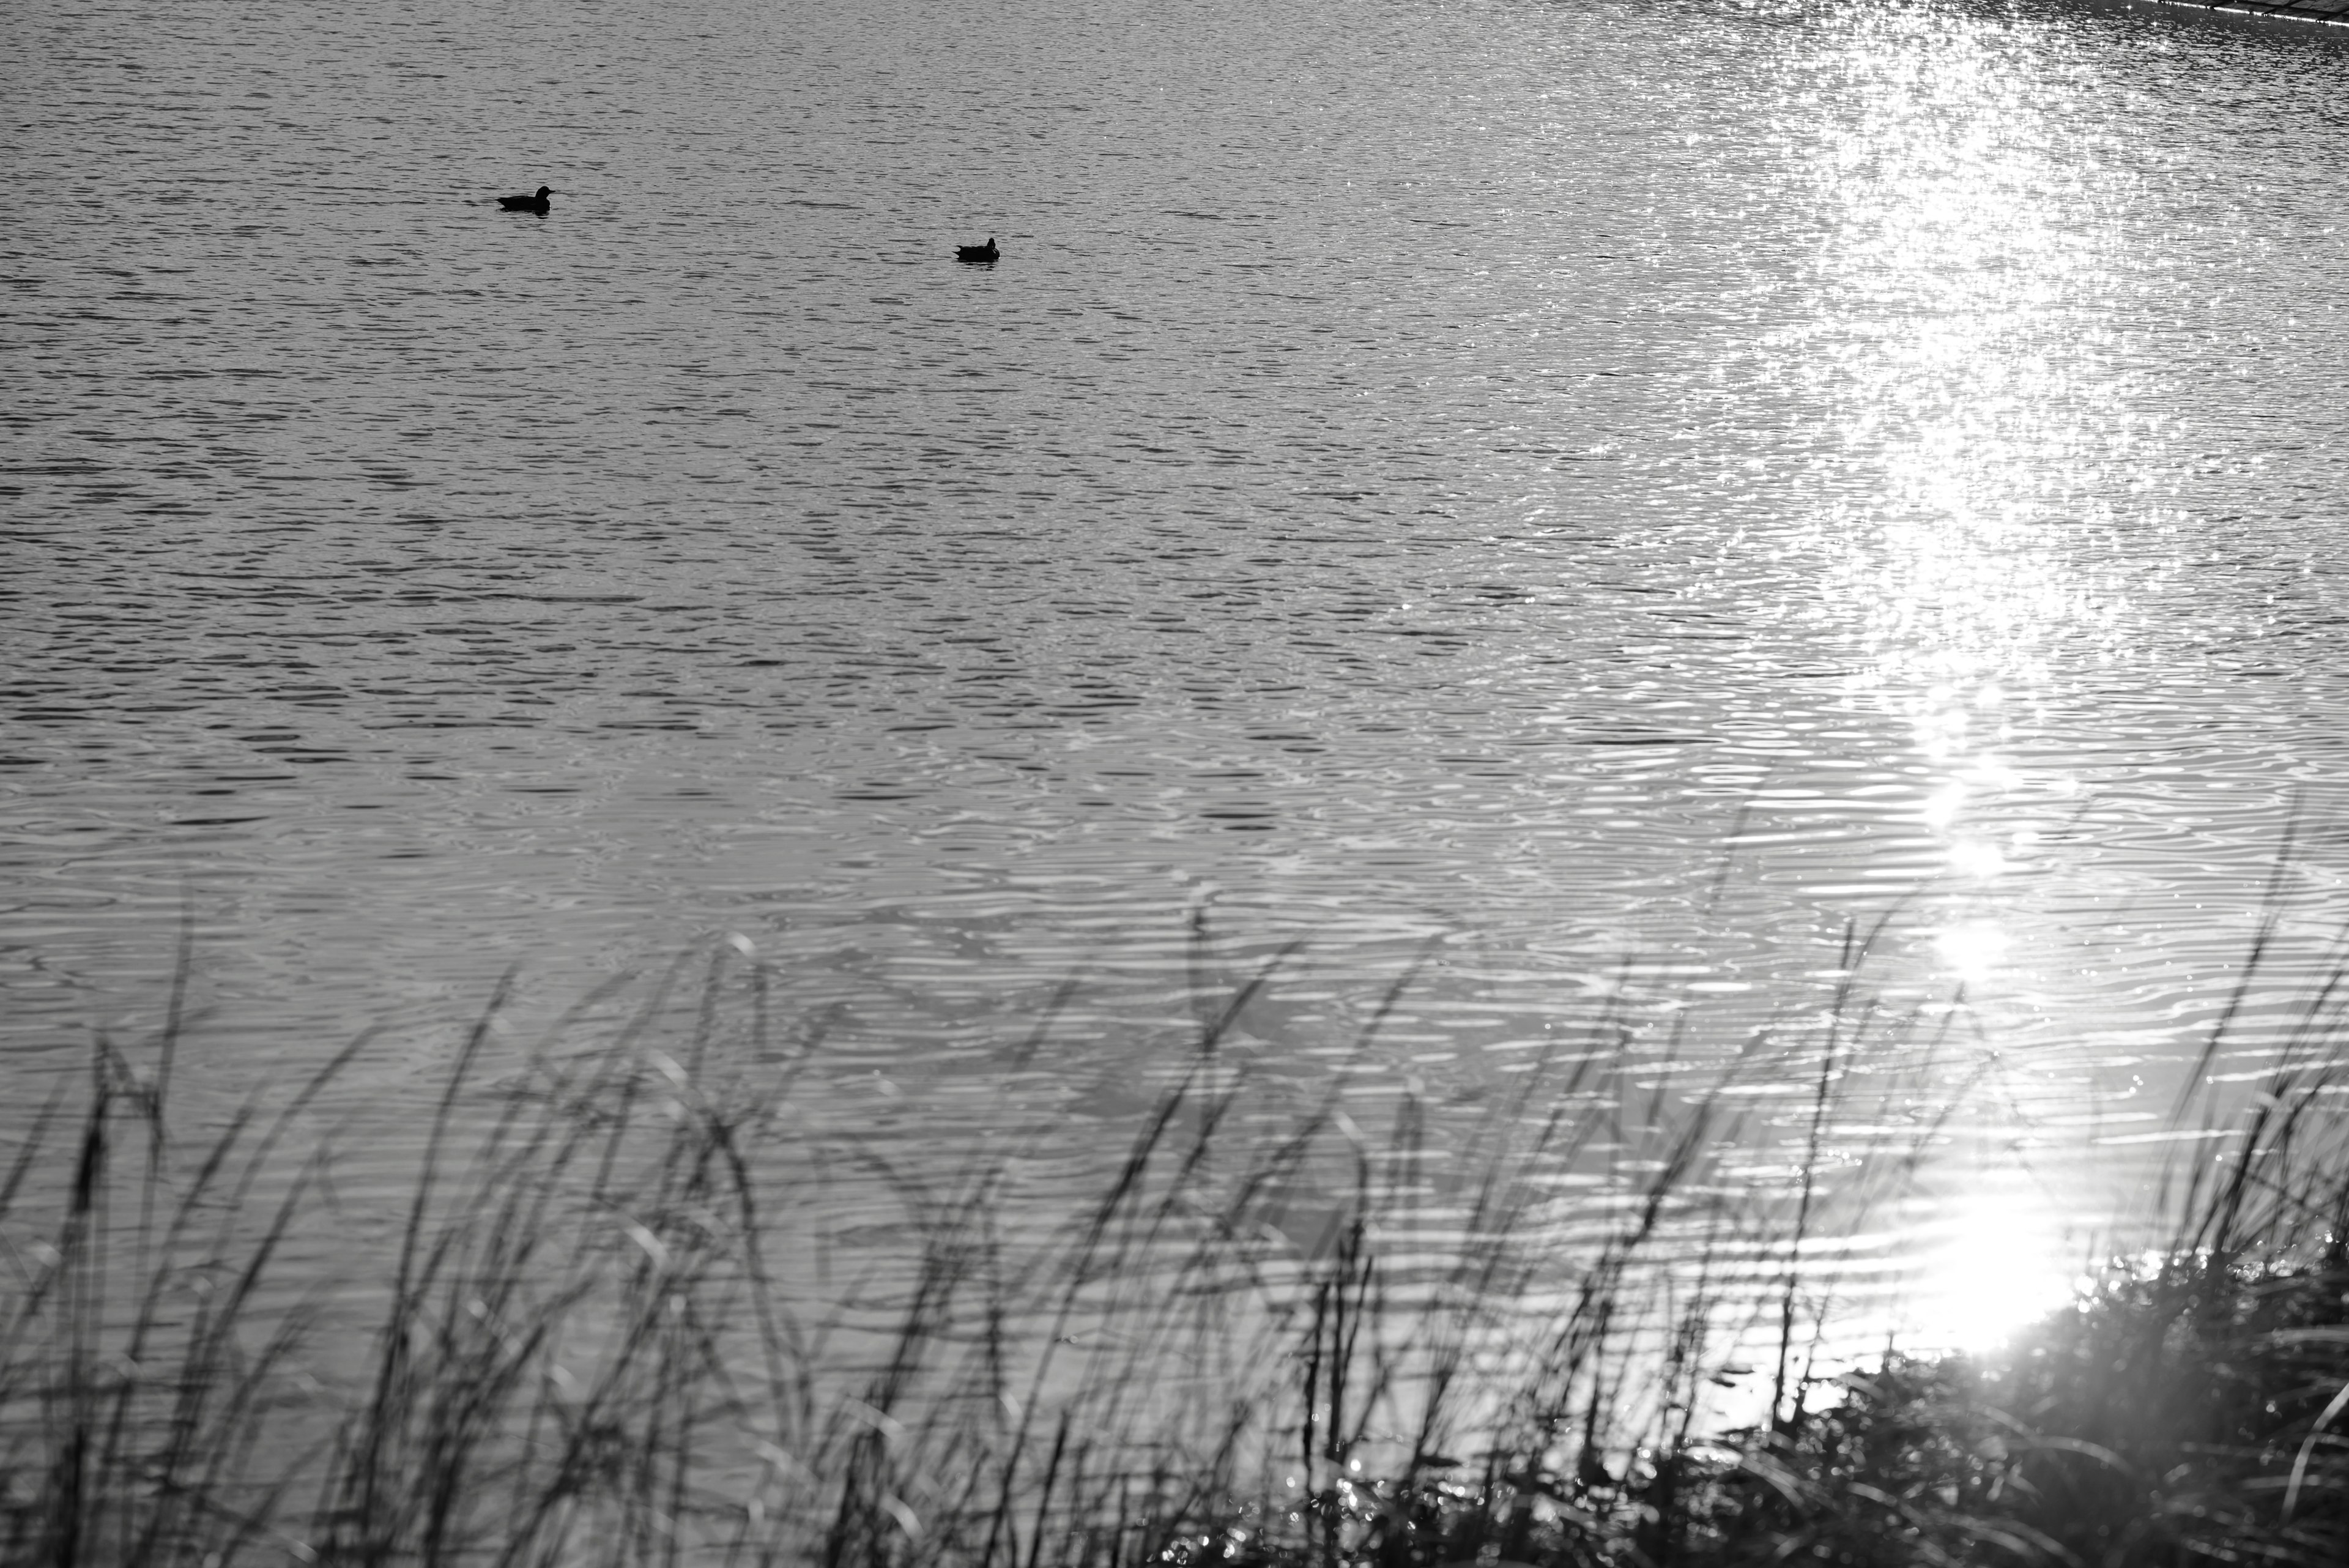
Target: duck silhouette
(985, 253)
(526, 203)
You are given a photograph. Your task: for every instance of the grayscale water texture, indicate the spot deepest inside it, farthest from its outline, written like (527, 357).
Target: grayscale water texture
(1598, 499)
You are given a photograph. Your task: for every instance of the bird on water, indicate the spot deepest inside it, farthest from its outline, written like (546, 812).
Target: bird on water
(526, 203)
(986, 252)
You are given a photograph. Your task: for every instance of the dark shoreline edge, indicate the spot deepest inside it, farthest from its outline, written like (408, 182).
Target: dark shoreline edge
(2332, 12)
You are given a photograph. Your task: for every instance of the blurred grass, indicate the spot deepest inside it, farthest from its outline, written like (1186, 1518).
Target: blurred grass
(616, 1325)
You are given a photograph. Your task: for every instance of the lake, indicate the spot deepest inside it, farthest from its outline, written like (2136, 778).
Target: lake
(1579, 511)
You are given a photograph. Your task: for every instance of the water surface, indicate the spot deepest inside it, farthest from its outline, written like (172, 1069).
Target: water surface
(1602, 501)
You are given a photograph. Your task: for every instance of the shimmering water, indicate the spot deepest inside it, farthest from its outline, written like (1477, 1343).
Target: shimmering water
(1622, 493)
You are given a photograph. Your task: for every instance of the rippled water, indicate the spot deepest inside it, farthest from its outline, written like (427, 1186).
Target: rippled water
(1623, 493)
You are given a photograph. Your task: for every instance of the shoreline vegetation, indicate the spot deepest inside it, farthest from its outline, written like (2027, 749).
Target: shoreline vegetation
(621, 1319)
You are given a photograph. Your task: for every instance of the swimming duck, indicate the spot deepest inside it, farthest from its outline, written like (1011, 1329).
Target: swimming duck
(986, 252)
(526, 203)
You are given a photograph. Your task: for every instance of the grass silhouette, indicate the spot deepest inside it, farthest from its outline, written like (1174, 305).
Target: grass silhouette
(618, 1325)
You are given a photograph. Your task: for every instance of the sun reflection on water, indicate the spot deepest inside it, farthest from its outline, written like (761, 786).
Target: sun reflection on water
(1971, 948)
(1997, 1263)
(1984, 419)
(1977, 398)
(1975, 384)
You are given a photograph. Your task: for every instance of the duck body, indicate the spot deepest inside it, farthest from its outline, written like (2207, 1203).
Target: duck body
(526, 203)
(984, 254)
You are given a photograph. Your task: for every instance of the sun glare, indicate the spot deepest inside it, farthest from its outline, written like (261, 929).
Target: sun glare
(1999, 1265)
(1971, 948)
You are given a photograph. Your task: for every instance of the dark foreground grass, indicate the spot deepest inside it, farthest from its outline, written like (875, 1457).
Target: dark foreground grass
(616, 1323)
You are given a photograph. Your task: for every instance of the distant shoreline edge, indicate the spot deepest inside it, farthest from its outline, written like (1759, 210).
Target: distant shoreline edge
(2334, 13)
